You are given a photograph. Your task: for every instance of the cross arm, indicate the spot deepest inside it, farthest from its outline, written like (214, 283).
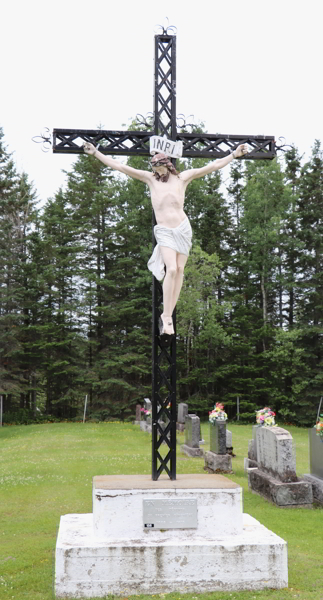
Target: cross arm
(123, 143)
(129, 143)
(213, 146)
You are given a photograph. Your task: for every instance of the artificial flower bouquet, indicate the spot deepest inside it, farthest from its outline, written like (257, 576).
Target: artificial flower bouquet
(146, 413)
(319, 426)
(217, 414)
(266, 417)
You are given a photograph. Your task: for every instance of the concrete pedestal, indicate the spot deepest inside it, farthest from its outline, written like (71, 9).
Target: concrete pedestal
(145, 426)
(218, 462)
(192, 452)
(111, 551)
(317, 487)
(296, 494)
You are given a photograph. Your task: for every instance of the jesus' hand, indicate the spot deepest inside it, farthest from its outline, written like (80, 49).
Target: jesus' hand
(241, 150)
(89, 148)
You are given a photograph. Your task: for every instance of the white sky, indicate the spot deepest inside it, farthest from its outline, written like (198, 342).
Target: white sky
(243, 67)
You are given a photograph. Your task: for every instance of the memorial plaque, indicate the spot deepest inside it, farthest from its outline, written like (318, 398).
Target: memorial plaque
(170, 513)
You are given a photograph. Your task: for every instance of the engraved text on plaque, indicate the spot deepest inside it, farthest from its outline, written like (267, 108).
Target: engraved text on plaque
(170, 513)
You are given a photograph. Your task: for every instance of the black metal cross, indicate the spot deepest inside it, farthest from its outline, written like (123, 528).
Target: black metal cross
(206, 145)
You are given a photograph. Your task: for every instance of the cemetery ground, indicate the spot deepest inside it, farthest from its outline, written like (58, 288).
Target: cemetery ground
(46, 471)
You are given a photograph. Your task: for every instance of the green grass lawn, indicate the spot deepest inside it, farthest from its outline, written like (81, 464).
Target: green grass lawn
(47, 470)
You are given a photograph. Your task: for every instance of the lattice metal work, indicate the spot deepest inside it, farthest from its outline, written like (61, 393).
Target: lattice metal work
(164, 358)
(128, 143)
(163, 396)
(165, 86)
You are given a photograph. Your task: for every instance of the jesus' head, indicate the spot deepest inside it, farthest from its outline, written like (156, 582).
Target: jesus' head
(162, 167)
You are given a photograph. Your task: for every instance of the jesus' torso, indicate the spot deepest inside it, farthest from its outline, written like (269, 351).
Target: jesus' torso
(167, 199)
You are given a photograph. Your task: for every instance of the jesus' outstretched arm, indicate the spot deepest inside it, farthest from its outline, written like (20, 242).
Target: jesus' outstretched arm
(215, 165)
(144, 176)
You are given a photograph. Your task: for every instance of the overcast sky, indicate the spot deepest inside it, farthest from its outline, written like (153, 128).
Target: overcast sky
(243, 67)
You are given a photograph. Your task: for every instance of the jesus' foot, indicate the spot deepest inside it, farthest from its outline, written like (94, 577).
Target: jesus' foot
(166, 326)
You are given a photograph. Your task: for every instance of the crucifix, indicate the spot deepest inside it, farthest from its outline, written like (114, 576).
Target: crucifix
(129, 143)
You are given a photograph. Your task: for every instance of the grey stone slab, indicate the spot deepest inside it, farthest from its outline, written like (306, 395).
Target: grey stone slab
(292, 494)
(180, 427)
(254, 437)
(229, 438)
(275, 453)
(186, 481)
(218, 462)
(316, 453)
(192, 452)
(218, 440)
(138, 412)
(249, 464)
(192, 431)
(147, 404)
(252, 450)
(182, 412)
(145, 426)
(201, 439)
(317, 487)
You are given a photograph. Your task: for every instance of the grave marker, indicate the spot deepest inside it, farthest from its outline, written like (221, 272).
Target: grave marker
(275, 478)
(192, 436)
(217, 459)
(315, 478)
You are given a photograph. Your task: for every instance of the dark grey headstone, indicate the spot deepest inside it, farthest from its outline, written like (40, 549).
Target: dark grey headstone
(182, 412)
(138, 412)
(192, 431)
(316, 453)
(218, 438)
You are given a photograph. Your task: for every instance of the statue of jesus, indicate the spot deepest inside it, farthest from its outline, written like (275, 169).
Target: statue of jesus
(173, 232)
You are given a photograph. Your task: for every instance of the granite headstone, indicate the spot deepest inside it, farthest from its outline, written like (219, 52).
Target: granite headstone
(315, 478)
(218, 438)
(275, 478)
(138, 413)
(217, 460)
(192, 436)
(182, 412)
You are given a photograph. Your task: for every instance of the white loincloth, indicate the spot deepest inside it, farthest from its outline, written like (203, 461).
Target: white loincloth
(178, 238)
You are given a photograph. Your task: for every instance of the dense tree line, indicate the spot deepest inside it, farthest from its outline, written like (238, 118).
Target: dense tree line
(75, 292)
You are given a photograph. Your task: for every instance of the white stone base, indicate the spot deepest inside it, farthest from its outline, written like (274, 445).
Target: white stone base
(87, 567)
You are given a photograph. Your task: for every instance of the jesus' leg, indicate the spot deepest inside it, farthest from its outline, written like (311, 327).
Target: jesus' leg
(181, 262)
(170, 259)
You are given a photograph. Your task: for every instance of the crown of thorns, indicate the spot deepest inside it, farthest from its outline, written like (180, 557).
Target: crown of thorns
(161, 160)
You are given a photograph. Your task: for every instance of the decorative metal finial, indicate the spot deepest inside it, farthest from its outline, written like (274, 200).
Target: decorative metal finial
(166, 29)
(44, 138)
(146, 121)
(182, 124)
(283, 145)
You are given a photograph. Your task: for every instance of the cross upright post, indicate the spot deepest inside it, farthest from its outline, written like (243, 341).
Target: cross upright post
(129, 143)
(164, 358)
